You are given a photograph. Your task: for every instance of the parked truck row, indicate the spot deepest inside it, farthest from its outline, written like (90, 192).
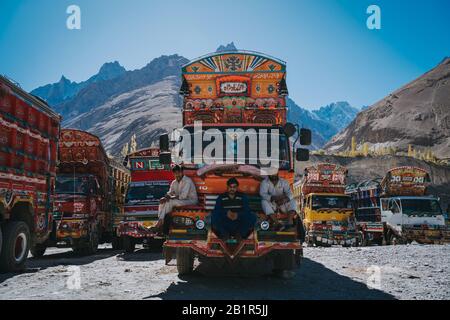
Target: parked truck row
(58, 187)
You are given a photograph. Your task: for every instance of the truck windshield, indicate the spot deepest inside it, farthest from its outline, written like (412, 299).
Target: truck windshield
(73, 185)
(421, 206)
(146, 192)
(247, 145)
(330, 202)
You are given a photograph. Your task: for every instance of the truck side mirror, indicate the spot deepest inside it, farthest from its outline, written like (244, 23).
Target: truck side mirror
(165, 158)
(302, 154)
(305, 137)
(164, 142)
(289, 129)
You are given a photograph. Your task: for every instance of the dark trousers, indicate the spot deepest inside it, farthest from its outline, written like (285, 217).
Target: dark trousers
(225, 227)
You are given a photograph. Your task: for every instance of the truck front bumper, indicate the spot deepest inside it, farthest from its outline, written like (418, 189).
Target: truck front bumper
(137, 229)
(208, 244)
(427, 234)
(333, 237)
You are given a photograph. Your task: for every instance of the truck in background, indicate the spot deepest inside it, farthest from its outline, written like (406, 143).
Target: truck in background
(150, 181)
(408, 213)
(326, 210)
(120, 178)
(366, 201)
(29, 132)
(84, 194)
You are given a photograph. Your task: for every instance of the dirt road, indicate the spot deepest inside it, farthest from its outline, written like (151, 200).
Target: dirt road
(392, 272)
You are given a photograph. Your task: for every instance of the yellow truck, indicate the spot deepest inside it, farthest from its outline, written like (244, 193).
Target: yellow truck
(326, 211)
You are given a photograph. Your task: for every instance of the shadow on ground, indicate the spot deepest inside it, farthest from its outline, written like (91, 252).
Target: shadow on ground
(312, 281)
(142, 255)
(66, 258)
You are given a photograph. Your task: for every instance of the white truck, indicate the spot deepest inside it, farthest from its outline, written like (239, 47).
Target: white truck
(407, 212)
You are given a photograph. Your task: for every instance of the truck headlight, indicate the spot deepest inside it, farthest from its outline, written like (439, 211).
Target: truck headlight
(200, 224)
(265, 225)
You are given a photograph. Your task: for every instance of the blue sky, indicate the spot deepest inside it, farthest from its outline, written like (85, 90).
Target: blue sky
(331, 55)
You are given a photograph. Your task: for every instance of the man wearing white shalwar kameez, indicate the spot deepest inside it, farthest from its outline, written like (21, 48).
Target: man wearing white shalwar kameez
(182, 192)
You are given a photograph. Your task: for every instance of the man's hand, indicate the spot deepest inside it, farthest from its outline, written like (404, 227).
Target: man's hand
(232, 215)
(165, 199)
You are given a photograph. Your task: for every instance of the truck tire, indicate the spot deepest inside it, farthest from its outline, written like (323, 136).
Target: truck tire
(298, 257)
(128, 244)
(116, 243)
(38, 250)
(284, 260)
(185, 261)
(16, 245)
(88, 248)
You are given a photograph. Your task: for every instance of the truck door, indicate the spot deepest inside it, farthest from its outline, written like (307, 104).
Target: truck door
(397, 216)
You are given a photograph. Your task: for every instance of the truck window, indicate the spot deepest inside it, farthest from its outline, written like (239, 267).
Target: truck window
(421, 206)
(138, 193)
(73, 185)
(330, 202)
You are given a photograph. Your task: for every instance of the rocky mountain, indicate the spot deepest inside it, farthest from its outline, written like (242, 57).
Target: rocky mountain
(324, 122)
(340, 114)
(63, 90)
(146, 112)
(416, 114)
(115, 104)
(228, 47)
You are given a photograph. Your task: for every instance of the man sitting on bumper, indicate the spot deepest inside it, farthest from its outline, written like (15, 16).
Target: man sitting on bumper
(232, 216)
(276, 196)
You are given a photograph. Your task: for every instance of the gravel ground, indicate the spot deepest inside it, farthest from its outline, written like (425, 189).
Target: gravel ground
(391, 272)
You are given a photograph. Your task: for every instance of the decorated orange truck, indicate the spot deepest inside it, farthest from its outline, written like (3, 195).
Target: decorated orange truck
(84, 194)
(29, 132)
(326, 210)
(234, 125)
(409, 214)
(150, 181)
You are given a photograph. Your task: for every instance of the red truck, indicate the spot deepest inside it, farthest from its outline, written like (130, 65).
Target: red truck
(84, 194)
(150, 181)
(29, 132)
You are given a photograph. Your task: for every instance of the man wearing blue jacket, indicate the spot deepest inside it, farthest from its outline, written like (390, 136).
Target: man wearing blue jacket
(232, 216)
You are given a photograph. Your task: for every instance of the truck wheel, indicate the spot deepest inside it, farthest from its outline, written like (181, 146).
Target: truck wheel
(116, 243)
(284, 260)
(395, 240)
(38, 250)
(16, 246)
(128, 244)
(85, 249)
(185, 261)
(92, 247)
(298, 257)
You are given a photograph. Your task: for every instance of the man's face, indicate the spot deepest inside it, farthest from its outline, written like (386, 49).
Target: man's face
(232, 188)
(273, 178)
(178, 175)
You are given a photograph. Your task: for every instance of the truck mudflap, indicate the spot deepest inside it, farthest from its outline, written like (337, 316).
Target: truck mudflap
(248, 248)
(137, 229)
(430, 234)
